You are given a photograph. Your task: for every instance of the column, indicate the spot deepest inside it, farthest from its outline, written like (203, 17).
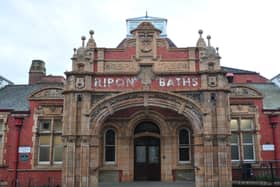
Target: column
(198, 160)
(84, 154)
(224, 162)
(94, 161)
(69, 162)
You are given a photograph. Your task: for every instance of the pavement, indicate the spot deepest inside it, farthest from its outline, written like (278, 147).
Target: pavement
(148, 184)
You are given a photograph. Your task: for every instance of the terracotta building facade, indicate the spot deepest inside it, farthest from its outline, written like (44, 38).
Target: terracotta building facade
(146, 110)
(143, 111)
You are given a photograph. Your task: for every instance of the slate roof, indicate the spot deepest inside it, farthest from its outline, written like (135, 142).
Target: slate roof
(15, 97)
(271, 95)
(237, 71)
(3, 78)
(169, 41)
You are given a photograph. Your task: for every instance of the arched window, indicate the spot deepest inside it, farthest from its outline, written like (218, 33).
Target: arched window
(147, 127)
(184, 145)
(110, 145)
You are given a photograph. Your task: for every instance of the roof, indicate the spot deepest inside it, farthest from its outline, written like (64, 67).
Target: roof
(271, 95)
(3, 78)
(237, 71)
(145, 18)
(15, 97)
(276, 76)
(168, 40)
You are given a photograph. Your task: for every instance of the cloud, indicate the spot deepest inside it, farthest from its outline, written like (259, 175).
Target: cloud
(245, 31)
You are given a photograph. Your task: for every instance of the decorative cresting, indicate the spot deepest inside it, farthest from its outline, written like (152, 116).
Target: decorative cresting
(184, 106)
(244, 91)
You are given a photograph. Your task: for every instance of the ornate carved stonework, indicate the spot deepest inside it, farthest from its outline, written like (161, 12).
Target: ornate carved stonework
(245, 109)
(146, 39)
(80, 82)
(120, 67)
(243, 92)
(146, 76)
(48, 93)
(174, 67)
(212, 81)
(49, 110)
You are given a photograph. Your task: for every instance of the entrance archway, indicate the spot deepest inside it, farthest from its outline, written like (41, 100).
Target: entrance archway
(105, 112)
(147, 152)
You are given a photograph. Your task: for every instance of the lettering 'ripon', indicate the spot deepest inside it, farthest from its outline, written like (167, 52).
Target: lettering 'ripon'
(114, 82)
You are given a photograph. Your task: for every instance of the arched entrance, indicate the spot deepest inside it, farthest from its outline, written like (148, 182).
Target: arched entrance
(147, 152)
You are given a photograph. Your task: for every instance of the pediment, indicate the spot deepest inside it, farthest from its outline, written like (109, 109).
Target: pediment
(47, 93)
(244, 91)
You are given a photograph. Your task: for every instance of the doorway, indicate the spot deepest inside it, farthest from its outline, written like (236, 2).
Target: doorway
(147, 159)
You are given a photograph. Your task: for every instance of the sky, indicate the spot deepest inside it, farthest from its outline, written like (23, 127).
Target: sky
(246, 31)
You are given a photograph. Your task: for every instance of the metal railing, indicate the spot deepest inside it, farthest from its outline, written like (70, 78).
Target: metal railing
(262, 171)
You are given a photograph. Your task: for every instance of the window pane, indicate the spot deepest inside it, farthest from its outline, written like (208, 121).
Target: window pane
(248, 152)
(140, 154)
(184, 154)
(45, 125)
(184, 137)
(1, 126)
(110, 137)
(247, 138)
(0, 140)
(44, 140)
(234, 139)
(109, 154)
(57, 153)
(246, 124)
(234, 152)
(147, 127)
(153, 154)
(57, 125)
(233, 124)
(44, 154)
(57, 140)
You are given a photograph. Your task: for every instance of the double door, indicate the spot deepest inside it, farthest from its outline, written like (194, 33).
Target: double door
(147, 159)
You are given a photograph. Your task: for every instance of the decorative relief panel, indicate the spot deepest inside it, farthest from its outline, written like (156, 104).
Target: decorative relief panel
(80, 82)
(243, 92)
(212, 81)
(120, 67)
(246, 109)
(49, 110)
(48, 93)
(174, 67)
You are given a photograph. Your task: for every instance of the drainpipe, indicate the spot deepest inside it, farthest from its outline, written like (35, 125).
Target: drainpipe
(273, 120)
(18, 125)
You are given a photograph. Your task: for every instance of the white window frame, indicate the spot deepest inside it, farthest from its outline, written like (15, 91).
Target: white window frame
(184, 146)
(104, 147)
(239, 132)
(52, 133)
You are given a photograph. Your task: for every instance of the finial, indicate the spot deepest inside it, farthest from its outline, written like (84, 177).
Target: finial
(83, 41)
(74, 50)
(217, 49)
(208, 38)
(200, 32)
(91, 32)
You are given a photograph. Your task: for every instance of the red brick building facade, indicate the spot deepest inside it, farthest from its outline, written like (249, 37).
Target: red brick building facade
(145, 110)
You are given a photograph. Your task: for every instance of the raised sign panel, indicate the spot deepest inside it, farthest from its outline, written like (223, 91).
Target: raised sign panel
(174, 67)
(134, 83)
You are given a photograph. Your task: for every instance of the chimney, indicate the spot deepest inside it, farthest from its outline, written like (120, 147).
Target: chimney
(37, 71)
